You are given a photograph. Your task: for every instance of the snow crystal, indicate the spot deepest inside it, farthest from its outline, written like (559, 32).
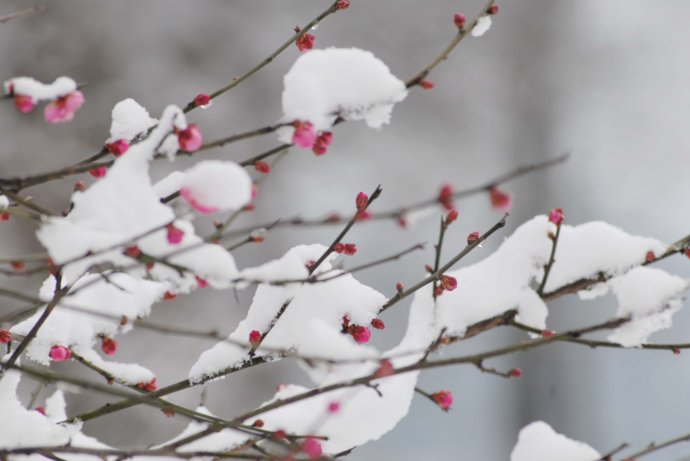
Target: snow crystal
(38, 91)
(346, 82)
(128, 120)
(316, 311)
(482, 26)
(650, 297)
(170, 184)
(586, 250)
(539, 442)
(217, 185)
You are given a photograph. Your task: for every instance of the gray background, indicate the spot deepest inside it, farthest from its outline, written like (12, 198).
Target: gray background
(605, 80)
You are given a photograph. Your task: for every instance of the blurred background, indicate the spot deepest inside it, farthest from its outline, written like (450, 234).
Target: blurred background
(606, 81)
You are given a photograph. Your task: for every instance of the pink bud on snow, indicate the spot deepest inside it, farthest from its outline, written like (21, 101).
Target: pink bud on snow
(334, 407)
(174, 234)
(360, 334)
(190, 139)
(5, 336)
(63, 108)
(443, 399)
(556, 216)
(304, 135)
(108, 345)
(23, 103)
(255, 338)
(60, 354)
(312, 448)
(118, 147)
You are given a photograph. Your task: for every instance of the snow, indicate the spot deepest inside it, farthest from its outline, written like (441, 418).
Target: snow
(315, 310)
(4, 202)
(170, 184)
(129, 119)
(95, 309)
(498, 283)
(482, 26)
(22, 427)
(120, 208)
(346, 82)
(224, 440)
(594, 247)
(539, 442)
(38, 91)
(651, 297)
(126, 373)
(217, 185)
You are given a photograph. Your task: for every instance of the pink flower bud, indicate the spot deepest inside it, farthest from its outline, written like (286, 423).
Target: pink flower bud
(322, 142)
(449, 283)
(443, 399)
(427, 84)
(63, 108)
(262, 167)
(202, 100)
(60, 353)
(304, 135)
(79, 186)
(399, 287)
(41, 410)
(350, 249)
(150, 386)
(23, 103)
(17, 266)
(118, 147)
(472, 237)
(548, 333)
(98, 172)
(201, 283)
(305, 42)
(360, 334)
(445, 197)
(451, 217)
(459, 20)
(174, 234)
(190, 139)
(676, 351)
(312, 448)
(556, 216)
(342, 4)
(255, 338)
(687, 252)
(500, 200)
(378, 324)
(5, 336)
(4, 216)
(133, 251)
(438, 291)
(334, 407)
(515, 373)
(169, 296)
(362, 215)
(108, 345)
(493, 9)
(258, 423)
(362, 201)
(649, 257)
(339, 248)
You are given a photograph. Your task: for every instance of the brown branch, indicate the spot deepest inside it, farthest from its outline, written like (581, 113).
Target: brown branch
(549, 264)
(654, 447)
(22, 13)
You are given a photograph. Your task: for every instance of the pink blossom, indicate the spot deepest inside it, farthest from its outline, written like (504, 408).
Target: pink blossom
(515, 373)
(195, 203)
(98, 172)
(312, 448)
(360, 333)
(201, 283)
(378, 324)
(445, 197)
(202, 100)
(23, 103)
(41, 410)
(385, 369)
(118, 147)
(556, 216)
(443, 399)
(342, 4)
(322, 142)
(472, 237)
(190, 138)
(60, 353)
(451, 217)
(5, 336)
(174, 234)
(108, 345)
(449, 283)
(334, 407)
(255, 338)
(362, 201)
(459, 20)
(305, 42)
(63, 108)
(500, 200)
(304, 135)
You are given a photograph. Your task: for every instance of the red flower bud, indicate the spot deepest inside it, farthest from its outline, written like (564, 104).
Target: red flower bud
(449, 283)
(108, 345)
(362, 201)
(262, 167)
(649, 257)
(385, 369)
(451, 217)
(515, 373)
(427, 84)
(556, 216)
(472, 237)
(255, 338)
(305, 42)
(493, 9)
(378, 324)
(5, 336)
(443, 399)
(202, 100)
(459, 20)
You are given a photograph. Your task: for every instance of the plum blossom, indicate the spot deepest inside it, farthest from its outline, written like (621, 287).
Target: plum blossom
(190, 138)
(443, 399)
(304, 135)
(60, 353)
(63, 108)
